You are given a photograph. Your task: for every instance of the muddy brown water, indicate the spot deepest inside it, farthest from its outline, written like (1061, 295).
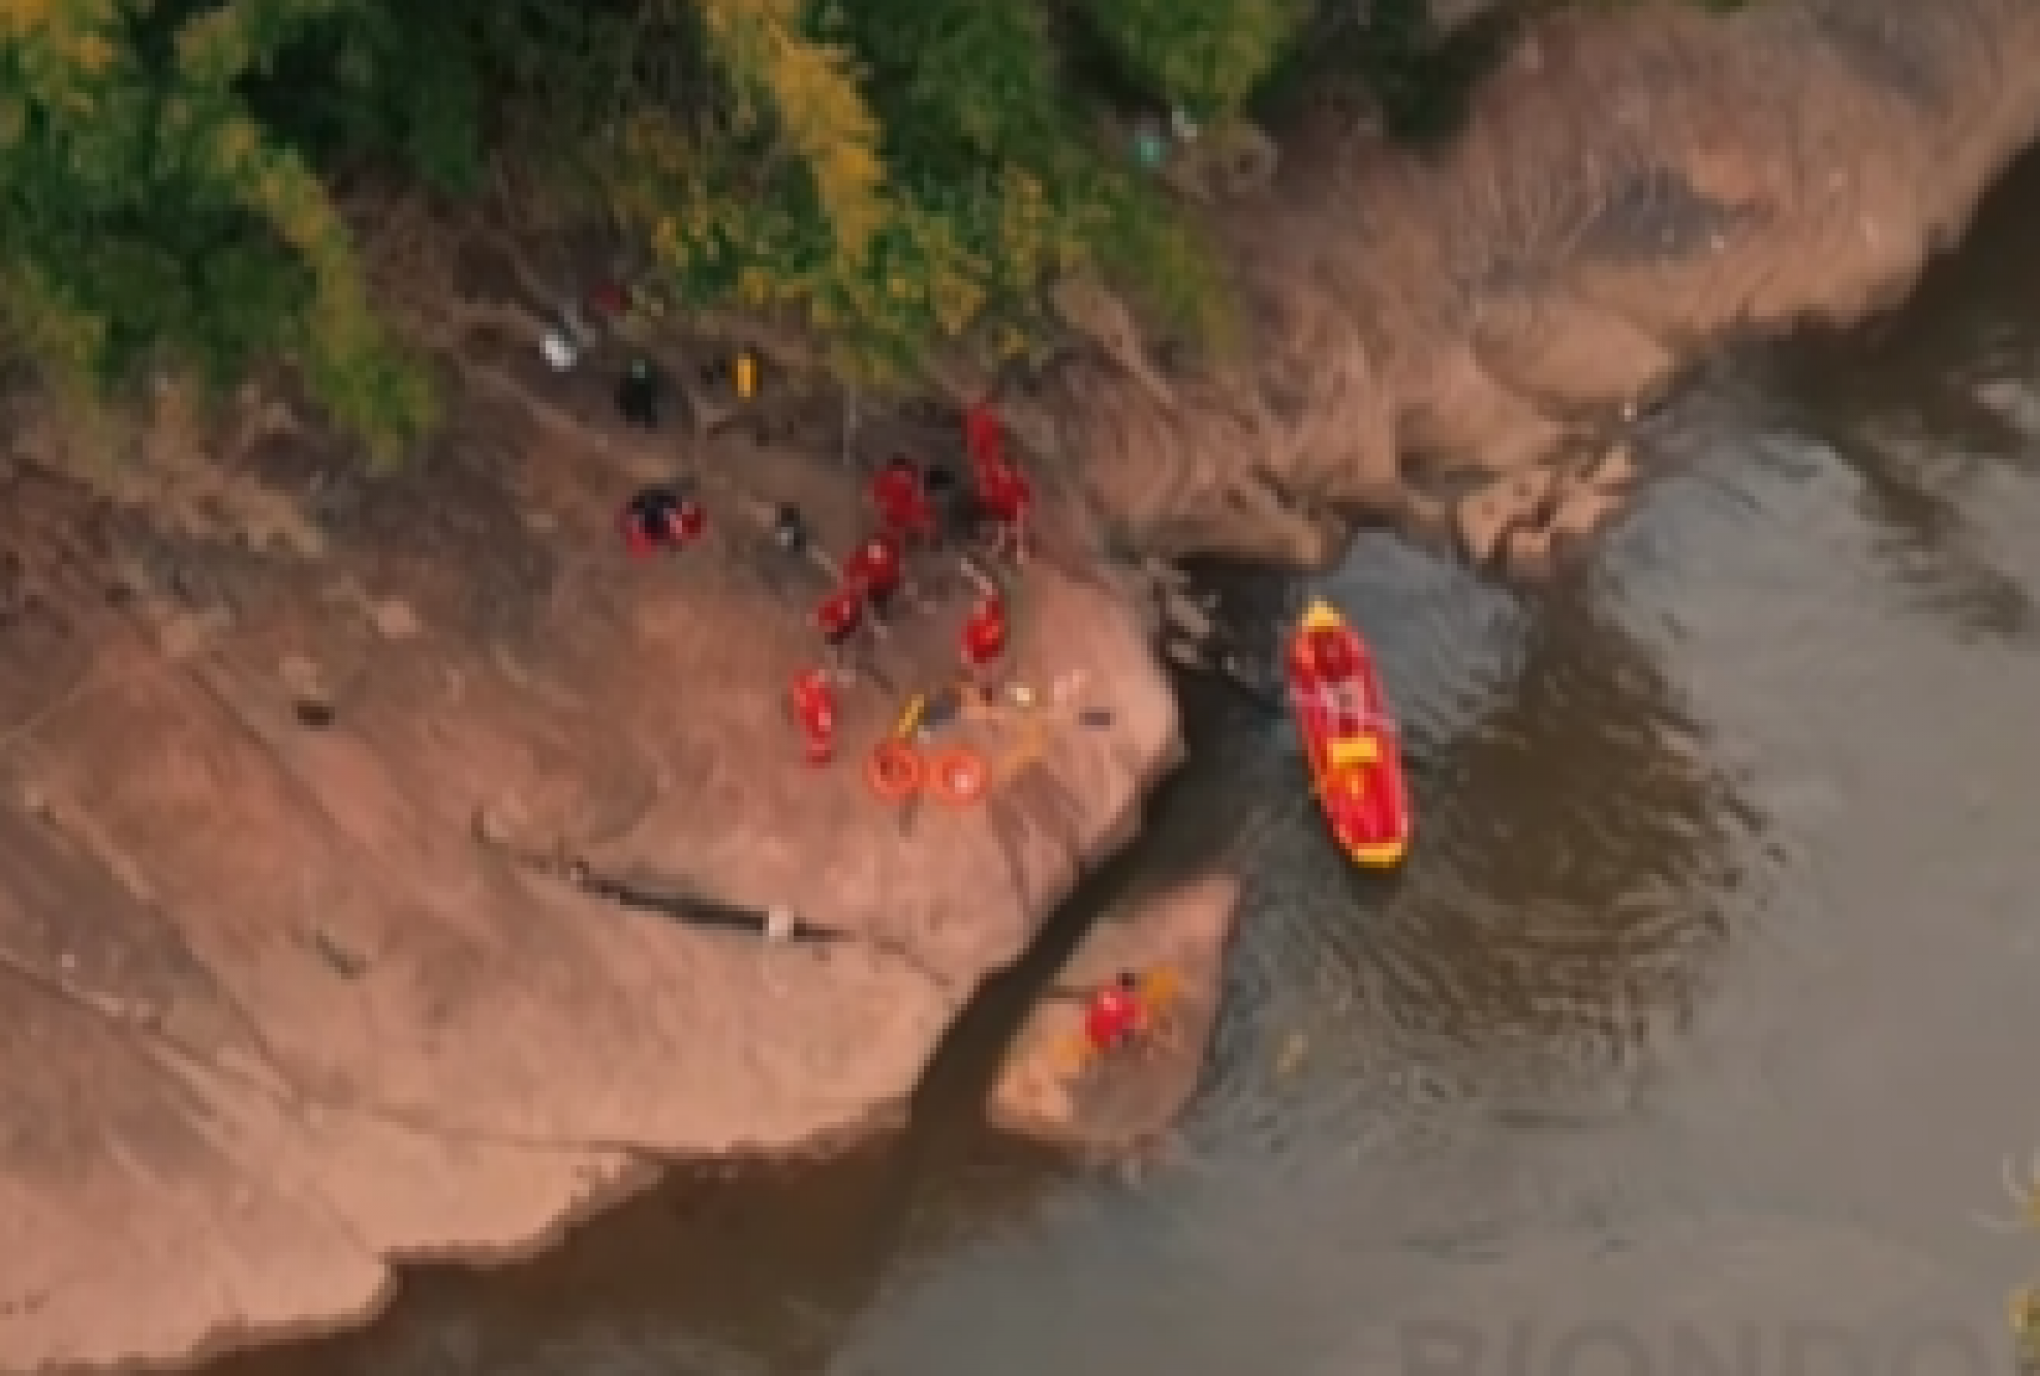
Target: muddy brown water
(1705, 1012)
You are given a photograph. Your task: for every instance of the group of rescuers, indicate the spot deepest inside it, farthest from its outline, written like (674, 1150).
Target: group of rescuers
(924, 508)
(916, 508)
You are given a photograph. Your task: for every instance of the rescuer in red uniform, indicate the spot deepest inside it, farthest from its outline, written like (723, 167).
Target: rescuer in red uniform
(1117, 1015)
(876, 570)
(814, 708)
(985, 635)
(839, 617)
(1006, 499)
(900, 495)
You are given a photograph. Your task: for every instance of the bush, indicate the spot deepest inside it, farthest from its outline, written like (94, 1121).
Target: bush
(902, 175)
(147, 211)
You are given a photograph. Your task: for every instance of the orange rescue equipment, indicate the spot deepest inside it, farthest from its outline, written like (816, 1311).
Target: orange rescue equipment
(958, 776)
(894, 771)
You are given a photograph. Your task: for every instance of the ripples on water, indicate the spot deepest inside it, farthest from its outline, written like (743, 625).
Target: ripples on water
(1710, 981)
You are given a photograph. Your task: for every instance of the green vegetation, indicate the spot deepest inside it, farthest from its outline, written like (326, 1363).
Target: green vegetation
(898, 175)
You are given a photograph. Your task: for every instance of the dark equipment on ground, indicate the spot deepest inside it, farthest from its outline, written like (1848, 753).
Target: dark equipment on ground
(637, 396)
(790, 531)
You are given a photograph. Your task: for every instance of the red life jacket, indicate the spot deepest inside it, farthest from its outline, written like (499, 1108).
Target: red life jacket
(814, 704)
(902, 500)
(1004, 492)
(1113, 1017)
(840, 612)
(984, 634)
(875, 568)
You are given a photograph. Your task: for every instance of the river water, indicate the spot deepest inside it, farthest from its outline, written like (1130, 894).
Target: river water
(1705, 1012)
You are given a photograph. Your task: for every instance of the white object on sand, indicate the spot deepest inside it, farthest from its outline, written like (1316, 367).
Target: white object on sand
(559, 350)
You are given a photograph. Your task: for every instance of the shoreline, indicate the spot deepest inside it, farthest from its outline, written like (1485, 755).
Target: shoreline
(531, 689)
(1436, 342)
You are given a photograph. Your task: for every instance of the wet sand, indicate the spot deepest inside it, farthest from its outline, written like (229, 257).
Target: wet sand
(1707, 996)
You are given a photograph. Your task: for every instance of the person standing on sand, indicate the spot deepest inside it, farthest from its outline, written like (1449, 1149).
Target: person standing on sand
(1007, 500)
(985, 637)
(814, 709)
(901, 497)
(840, 617)
(1117, 1015)
(1004, 497)
(877, 571)
(984, 434)
(1001, 496)
(661, 518)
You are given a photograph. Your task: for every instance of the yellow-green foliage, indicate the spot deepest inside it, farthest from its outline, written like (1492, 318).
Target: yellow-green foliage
(991, 183)
(813, 106)
(903, 175)
(145, 206)
(958, 265)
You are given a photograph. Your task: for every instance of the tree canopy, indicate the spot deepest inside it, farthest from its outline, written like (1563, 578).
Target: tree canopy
(898, 174)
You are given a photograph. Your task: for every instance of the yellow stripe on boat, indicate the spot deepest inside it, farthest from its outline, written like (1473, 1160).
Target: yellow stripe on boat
(1347, 754)
(1381, 855)
(1320, 616)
